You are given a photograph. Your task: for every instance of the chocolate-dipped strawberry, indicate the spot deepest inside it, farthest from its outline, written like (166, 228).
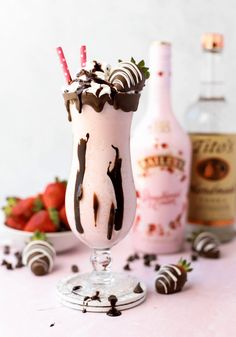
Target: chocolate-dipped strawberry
(206, 244)
(129, 76)
(172, 277)
(39, 255)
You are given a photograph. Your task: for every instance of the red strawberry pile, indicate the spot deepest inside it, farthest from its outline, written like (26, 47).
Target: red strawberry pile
(44, 212)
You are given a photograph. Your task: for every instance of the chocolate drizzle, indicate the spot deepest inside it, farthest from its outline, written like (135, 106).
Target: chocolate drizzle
(78, 193)
(124, 97)
(111, 221)
(88, 299)
(95, 207)
(116, 179)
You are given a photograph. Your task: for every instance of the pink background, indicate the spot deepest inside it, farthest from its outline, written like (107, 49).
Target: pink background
(205, 308)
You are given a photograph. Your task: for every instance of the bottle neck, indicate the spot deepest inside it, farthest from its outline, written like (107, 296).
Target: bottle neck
(212, 84)
(159, 99)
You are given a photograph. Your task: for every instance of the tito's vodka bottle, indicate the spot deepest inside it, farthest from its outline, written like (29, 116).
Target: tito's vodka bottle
(161, 163)
(212, 130)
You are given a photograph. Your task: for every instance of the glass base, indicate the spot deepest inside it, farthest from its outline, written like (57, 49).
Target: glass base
(92, 292)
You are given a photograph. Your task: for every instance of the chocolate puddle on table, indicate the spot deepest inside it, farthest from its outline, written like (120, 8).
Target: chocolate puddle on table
(113, 312)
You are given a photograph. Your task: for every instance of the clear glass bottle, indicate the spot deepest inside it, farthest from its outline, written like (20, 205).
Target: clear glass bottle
(161, 152)
(212, 129)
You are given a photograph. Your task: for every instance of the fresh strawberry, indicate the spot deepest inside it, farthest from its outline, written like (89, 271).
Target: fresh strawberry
(26, 207)
(43, 221)
(63, 217)
(11, 202)
(16, 222)
(54, 194)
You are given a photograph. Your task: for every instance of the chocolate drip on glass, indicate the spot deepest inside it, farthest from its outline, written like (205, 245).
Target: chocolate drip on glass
(95, 207)
(111, 221)
(78, 194)
(116, 179)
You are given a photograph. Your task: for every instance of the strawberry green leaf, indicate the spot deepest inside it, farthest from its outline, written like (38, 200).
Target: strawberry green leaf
(38, 236)
(54, 216)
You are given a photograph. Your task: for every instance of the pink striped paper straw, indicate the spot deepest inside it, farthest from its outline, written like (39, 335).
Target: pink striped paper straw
(83, 56)
(64, 65)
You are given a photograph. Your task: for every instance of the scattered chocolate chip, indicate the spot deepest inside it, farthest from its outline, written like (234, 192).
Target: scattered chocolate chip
(9, 266)
(131, 258)
(136, 256)
(19, 264)
(157, 267)
(74, 268)
(194, 257)
(51, 325)
(150, 257)
(17, 254)
(127, 267)
(4, 263)
(76, 288)
(138, 289)
(6, 250)
(147, 263)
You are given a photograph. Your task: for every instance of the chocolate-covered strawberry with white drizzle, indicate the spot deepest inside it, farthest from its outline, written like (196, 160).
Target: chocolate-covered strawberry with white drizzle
(39, 254)
(129, 76)
(172, 277)
(206, 245)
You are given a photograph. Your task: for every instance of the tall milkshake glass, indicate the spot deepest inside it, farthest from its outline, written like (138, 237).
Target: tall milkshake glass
(100, 197)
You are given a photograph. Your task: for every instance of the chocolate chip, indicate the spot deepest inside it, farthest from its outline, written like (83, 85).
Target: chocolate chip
(194, 257)
(131, 258)
(138, 289)
(6, 250)
(4, 263)
(18, 254)
(74, 268)
(157, 267)
(136, 256)
(51, 325)
(9, 266)
(19, 264)
(127, 267)
(76, 288)
(150, 257)
(147, 263)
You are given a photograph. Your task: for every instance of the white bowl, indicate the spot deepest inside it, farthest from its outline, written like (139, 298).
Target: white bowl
(62, 241)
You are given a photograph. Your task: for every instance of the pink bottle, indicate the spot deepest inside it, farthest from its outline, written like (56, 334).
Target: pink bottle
(161, 156)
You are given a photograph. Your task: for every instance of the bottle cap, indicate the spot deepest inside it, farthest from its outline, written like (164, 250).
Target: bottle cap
(213, 42)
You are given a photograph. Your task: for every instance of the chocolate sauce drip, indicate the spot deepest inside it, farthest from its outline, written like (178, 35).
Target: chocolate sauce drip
(113, 312)
(88, 299)
(116, 179)
(95, 207)
(125, 102)
(111, 221)
(67, 104)
(78, 193)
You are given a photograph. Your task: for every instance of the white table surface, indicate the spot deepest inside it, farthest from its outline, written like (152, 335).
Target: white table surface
(205, 308)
